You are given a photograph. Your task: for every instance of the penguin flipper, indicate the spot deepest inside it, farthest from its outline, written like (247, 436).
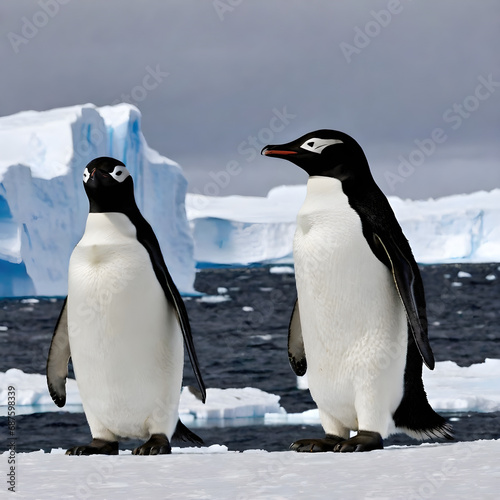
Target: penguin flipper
(148, 239)
(57, 361)
(411, 291)
(296, 352)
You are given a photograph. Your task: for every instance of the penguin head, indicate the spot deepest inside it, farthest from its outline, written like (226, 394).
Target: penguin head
(327, 153)
(108, 185)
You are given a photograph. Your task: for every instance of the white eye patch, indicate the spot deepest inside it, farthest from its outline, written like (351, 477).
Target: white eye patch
(120, 173)
(86, 176)
(316, 145)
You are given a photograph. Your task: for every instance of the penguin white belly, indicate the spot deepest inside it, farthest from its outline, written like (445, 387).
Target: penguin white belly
(126, 343)
(353, 322)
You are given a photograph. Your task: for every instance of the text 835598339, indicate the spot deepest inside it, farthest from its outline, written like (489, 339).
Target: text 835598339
(11, 460)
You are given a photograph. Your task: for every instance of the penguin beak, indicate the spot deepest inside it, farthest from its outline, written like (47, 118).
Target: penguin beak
(99, 174)
(277, 151)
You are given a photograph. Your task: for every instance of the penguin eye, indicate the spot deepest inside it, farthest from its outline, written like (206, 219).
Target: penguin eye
(120, 173)
(86, 175)
(317, 145)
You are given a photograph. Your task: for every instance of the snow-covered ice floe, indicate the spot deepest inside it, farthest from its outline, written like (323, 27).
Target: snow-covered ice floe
(462, 470)
(222, 404)
(243, 229)
(43, 206)
(228, 404)
(449, 388)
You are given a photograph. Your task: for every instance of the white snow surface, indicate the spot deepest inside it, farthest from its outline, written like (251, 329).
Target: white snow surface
(243, 230)
(462, 470)
(449, 387)
(43, 207)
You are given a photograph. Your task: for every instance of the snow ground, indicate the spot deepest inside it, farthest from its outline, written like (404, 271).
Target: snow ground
(461, 470)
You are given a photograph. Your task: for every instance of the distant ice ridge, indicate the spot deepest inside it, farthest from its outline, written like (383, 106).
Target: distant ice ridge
(449, 388)
(43, 206)
(244, 230)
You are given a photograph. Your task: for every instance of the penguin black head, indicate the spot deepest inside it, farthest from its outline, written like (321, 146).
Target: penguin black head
(109, 186)
(327, 153)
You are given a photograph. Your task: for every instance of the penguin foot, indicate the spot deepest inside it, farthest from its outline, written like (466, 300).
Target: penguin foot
(328, 443)
(157, 444)
(96, 447)
(363, 441)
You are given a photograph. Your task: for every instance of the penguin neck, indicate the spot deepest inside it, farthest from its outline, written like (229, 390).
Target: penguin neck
(104, 227)
(318, 185)
(105, 206)
(322, 194)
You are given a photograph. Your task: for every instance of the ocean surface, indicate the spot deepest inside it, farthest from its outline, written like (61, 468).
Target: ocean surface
(240, 332)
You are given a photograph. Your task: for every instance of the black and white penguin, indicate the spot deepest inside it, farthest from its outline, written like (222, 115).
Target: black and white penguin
(123, 324)
(359, 326)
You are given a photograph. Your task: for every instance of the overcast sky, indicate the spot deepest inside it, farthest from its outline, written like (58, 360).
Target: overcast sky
(415, 82)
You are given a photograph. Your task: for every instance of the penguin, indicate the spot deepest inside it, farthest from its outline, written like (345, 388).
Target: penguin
(123, 323)
(359, 325)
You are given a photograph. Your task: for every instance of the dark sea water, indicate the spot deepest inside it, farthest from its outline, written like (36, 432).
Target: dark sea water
(248, 348)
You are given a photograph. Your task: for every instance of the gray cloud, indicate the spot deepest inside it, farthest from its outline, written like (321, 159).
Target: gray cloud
(403, 71)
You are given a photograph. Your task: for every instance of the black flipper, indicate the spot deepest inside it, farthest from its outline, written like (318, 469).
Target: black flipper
(182, 433)
(57, 361)
(411, 291)
(383, 233)
(296, 352)
(147, 238)
(195, 392)
(388, 243)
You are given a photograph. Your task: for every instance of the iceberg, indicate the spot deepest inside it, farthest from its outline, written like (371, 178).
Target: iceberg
(242, 230)
(239, 230)
(43, 207)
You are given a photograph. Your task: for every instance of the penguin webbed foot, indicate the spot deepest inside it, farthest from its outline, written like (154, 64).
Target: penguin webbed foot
(363, 441)
(96, 447)
(328, 443)
(157, 444)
